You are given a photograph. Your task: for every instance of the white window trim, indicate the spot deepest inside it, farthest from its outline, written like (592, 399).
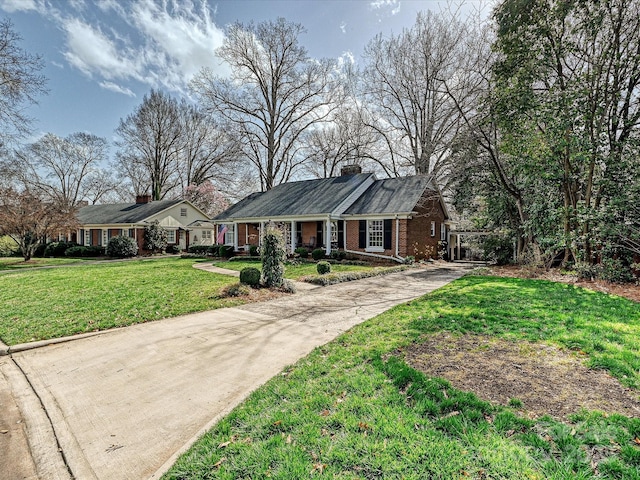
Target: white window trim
(433, 228)
(374, 248)
(169, 232)
(443, 232)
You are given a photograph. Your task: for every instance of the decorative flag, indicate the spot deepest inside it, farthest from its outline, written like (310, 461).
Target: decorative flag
(221, 233)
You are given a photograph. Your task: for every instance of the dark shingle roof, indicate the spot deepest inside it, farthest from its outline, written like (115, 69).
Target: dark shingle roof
(391, 195)
(122, 212)
(309, 197)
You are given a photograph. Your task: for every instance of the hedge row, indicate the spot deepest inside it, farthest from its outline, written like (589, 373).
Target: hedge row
(333, 278)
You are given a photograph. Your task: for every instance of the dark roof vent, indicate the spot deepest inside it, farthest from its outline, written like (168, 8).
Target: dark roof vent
(143, 198)
(350, 170)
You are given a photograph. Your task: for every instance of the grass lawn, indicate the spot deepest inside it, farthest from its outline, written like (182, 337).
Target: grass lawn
(50, 303)
(354, 409)
(18, 263)
(294, 272)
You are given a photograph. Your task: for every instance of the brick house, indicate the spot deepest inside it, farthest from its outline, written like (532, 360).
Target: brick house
(389, 218)
(185, 224)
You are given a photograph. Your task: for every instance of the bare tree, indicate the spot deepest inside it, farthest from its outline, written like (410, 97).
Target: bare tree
(208, 149)
(20, 83)
(150, 144)
(29, 218)
(61, 169)
(403, 87)
(275, 95)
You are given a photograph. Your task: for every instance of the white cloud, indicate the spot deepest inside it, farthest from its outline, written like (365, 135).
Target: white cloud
(94, 53)
(117, 88)
(343, 27)
(18, 5)
(392, 6)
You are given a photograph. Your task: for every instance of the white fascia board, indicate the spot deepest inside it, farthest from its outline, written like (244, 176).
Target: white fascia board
(353, 196)
(288, 218)
(378, 216)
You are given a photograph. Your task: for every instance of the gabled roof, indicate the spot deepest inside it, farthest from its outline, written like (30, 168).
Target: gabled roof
(122, 212)
(391, 195)
(309, 197)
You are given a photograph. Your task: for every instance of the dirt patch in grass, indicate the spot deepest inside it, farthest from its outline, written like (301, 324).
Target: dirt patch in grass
(544, 378)
(627, 290)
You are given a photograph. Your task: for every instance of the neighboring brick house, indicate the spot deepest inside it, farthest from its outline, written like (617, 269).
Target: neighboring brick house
(185, 224)
(389, 218)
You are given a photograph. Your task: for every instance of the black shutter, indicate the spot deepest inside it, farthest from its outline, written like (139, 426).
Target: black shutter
(319, 239)
(387, 234)
(340, 233)
(362, 234)
(298, 233)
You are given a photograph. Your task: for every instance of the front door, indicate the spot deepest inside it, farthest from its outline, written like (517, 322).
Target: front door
(182, 240)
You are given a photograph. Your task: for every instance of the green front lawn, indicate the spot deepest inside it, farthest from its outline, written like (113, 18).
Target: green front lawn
(18, 263)
(50, 303)
(294, 271)
(353, 409)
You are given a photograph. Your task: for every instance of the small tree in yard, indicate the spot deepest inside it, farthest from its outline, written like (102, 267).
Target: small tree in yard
(155, 238)
(273, 256)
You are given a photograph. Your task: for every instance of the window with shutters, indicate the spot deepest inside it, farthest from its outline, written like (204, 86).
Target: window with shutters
(171, 236)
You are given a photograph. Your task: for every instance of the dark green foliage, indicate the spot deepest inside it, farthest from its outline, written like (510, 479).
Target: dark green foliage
(214, 250)
(202, 249)
(250, 276)
(323, 268)
(226, 251)
(172, 249)
(122, 247)
(81, 251)
(303, 252)
(333, 278)
(497, 249)
(273, 256)
(614, 270)
(338, 254)
(155, 238)
(253, 250)
(58, 249)
(318, 254)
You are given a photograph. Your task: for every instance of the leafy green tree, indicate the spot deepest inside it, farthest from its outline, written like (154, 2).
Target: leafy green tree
(155, 238)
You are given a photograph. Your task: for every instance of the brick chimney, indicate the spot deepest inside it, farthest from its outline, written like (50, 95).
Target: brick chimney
(143, 198)
(350, 170)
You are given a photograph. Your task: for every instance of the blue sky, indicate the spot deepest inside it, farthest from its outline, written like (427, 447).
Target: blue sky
(102, 56)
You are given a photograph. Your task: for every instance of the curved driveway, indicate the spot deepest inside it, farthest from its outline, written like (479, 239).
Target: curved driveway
(126, 403)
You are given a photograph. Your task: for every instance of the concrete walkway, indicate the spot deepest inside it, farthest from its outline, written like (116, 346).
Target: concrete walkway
(126, 403)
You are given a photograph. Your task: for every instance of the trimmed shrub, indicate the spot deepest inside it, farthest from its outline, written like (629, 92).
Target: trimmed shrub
(288, 286)
(318, 254)
(273, 256)
(57, 249)
(202, 249)
(303, 252)
(338, 254)
(214, 250)
(122, 247)
(81, 251)
(245, 258)
(253, 250)
(333, 278)
(323, 268)
(226, 251)
(172, 249)
(250, 276)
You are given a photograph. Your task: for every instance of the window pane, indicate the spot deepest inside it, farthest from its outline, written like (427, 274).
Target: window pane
(376, 230)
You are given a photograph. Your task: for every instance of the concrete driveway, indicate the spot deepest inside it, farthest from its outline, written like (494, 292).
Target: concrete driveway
(124, 404)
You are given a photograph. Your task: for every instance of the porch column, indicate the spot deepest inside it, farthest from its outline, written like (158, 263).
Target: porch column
(261, 233)
(458, 247)
(328, 237)
(397, 237)
(293, 236)
(235, 237)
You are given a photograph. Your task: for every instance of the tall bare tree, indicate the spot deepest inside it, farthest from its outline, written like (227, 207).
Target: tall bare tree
(62, 169)
(150, 143)
(403, 85)
(275, 95)
(20, 83)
